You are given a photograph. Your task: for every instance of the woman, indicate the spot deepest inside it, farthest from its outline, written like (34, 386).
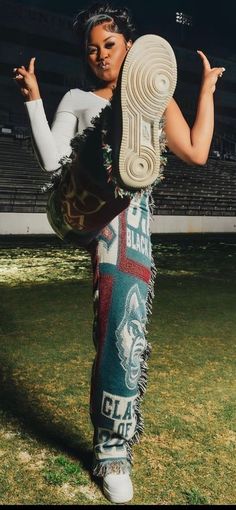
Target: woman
(94, 203)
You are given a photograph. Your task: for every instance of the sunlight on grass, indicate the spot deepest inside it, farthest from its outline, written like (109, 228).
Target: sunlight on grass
(32, 266)
(199, 258)
(29, 265)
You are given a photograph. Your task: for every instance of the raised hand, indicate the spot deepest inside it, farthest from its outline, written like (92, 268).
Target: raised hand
(210, 74)
(27, 81)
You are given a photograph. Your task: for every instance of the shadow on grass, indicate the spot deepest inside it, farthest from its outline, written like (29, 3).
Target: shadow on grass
(17, 403)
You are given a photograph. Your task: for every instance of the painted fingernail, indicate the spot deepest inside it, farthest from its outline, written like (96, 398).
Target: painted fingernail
(223, 69)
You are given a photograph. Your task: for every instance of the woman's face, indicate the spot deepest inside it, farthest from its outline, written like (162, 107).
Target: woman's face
(106, 52)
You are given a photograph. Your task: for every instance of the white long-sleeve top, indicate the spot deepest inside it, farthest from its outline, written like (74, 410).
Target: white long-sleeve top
(74, 114)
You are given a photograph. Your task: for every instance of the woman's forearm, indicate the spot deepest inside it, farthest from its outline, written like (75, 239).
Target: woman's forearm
(51, 143)
(44, 145)
(192, 144)
(202, 130)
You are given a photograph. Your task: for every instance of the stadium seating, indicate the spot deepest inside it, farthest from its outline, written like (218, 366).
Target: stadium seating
(208, 190)
(21, 177)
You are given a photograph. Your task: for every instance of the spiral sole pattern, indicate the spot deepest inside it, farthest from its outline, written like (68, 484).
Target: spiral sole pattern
(148, 82)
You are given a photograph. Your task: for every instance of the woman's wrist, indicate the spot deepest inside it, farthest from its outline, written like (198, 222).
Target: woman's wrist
(207, 90)
(33, 95)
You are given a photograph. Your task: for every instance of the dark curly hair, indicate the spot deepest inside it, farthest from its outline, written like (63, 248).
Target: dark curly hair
(119, 21)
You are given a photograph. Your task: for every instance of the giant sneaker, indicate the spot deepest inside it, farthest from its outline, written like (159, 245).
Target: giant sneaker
(145, 86)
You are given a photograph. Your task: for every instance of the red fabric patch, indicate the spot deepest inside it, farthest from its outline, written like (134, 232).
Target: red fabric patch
(126, 264)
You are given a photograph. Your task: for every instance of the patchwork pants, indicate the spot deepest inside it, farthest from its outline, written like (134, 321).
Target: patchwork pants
(123, 275)
(122, 288)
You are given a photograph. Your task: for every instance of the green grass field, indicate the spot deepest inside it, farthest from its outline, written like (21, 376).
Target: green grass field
(187, 452)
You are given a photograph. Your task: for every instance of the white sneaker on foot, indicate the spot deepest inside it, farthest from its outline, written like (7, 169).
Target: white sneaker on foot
(146, 85)
(118, 488)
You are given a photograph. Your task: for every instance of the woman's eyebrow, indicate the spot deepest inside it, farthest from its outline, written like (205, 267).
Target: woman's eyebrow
(104, 40)
(108, 37)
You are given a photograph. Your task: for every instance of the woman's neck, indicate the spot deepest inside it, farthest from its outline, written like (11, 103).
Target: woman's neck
(105, 92)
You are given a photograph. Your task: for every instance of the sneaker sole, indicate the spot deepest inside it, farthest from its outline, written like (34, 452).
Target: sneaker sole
(148, 82)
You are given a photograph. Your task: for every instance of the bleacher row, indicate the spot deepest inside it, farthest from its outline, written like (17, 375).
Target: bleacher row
(208, 190)
(21, 177)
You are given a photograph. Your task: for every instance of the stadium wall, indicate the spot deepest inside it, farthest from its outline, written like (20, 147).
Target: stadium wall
(37, 224)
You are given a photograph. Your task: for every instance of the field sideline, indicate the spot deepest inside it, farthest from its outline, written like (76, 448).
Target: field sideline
(187, 453)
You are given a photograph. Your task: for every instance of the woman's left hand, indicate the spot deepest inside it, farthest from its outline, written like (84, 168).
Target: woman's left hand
(210, 74)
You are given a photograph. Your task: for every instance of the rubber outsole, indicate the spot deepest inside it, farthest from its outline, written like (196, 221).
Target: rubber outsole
(148, 81)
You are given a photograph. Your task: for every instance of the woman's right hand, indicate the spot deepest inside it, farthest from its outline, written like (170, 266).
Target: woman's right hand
(27, 81)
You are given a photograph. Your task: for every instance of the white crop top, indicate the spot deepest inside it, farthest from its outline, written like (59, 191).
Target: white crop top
(74, 113)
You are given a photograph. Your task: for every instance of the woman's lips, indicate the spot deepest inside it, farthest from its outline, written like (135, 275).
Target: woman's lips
(104, 66)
